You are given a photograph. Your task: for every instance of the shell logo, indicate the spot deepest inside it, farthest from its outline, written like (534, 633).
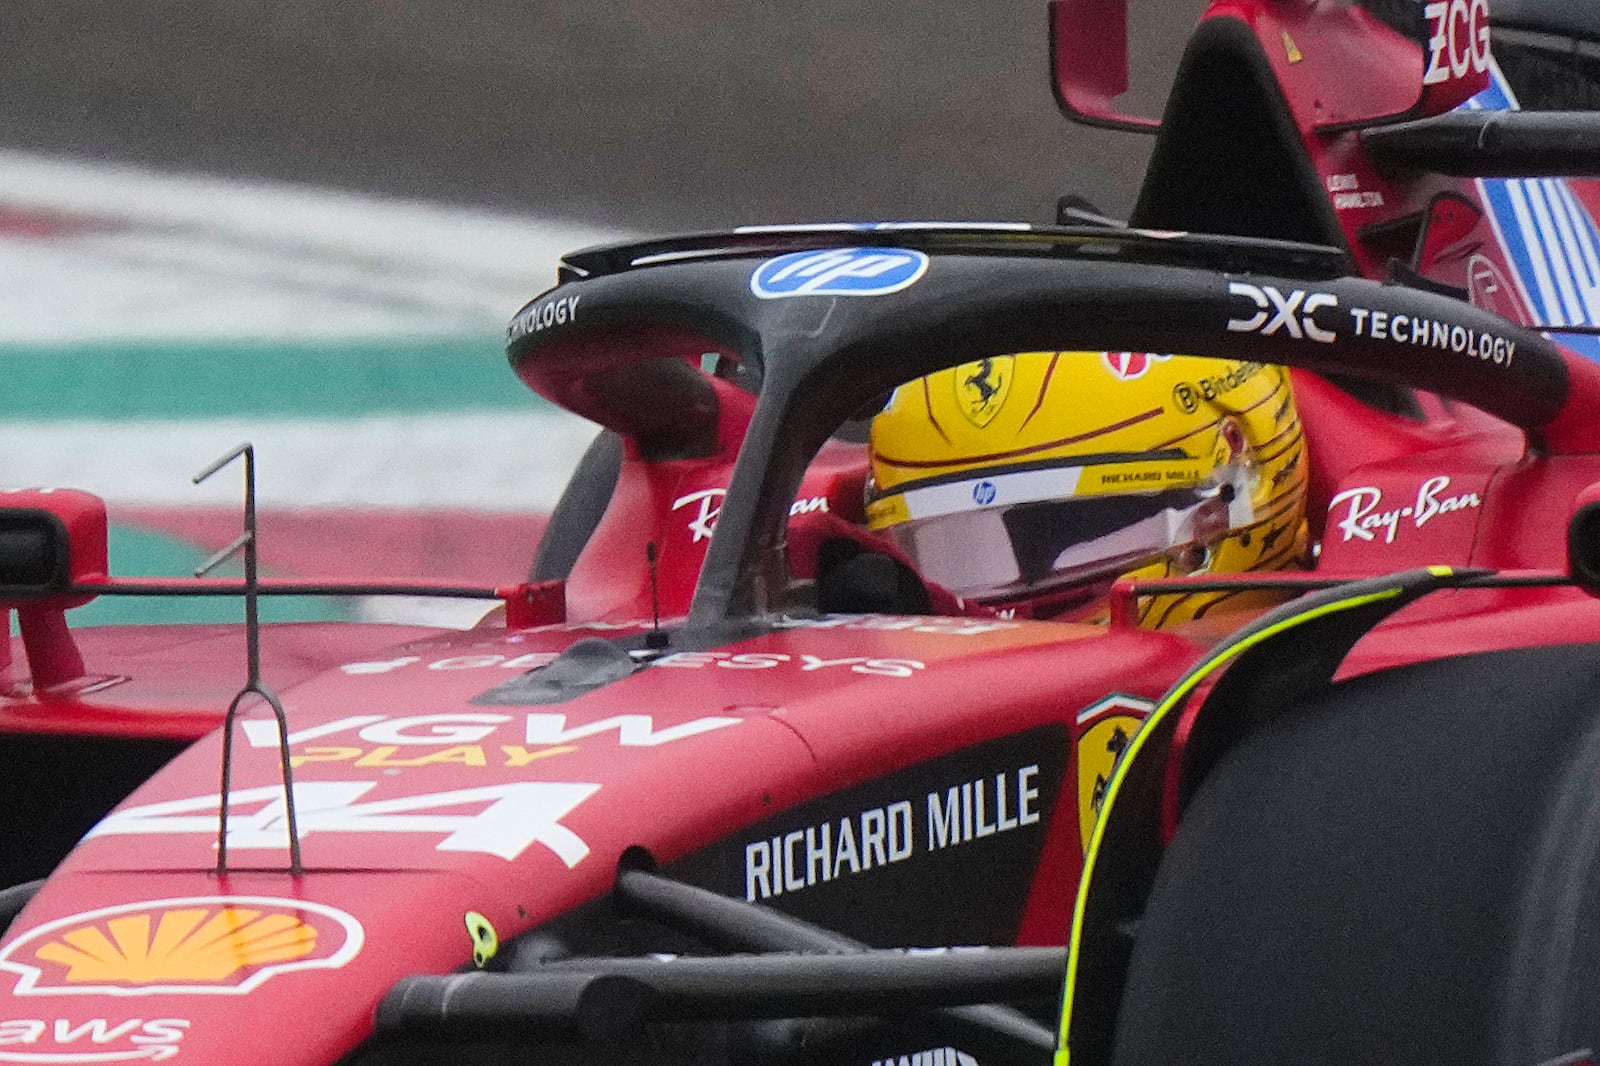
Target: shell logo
(219, 945)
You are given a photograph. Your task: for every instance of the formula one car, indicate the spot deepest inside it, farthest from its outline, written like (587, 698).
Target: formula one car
(708, 797)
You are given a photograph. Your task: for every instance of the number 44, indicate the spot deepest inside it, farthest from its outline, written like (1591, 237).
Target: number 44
(509, 817)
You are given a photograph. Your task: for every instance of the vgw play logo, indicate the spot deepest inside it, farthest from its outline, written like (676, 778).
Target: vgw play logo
(839, 272)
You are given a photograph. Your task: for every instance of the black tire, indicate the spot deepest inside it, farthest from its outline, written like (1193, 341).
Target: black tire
(1404, 870)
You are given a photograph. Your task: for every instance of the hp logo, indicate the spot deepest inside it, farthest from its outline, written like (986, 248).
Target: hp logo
(984, 493)
(839, 272)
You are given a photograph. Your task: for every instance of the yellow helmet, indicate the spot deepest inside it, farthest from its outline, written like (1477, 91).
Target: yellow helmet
(1032, 481)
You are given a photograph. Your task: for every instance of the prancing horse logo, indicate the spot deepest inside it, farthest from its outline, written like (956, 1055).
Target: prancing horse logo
(982, 388)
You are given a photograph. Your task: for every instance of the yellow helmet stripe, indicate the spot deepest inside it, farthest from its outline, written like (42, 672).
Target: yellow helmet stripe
(995, 457)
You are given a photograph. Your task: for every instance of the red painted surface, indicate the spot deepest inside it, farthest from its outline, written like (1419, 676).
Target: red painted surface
(403, 776)
(463, 546)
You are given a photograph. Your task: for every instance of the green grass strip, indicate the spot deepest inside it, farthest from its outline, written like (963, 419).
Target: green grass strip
(218, 379)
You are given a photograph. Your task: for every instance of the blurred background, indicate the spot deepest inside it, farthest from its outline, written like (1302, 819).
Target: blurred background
(304, 223)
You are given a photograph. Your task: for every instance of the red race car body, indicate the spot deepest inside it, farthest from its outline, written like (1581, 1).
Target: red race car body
(483, 842)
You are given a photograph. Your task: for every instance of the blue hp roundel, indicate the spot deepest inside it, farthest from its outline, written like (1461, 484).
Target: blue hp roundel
(838, 272)
(984, 493)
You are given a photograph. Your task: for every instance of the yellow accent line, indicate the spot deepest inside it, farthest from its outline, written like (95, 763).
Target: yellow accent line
(1291, 51)
(1173, 699)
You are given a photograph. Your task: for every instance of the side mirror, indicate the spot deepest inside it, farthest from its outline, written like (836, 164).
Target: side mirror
(1089, 65)
(51, 542)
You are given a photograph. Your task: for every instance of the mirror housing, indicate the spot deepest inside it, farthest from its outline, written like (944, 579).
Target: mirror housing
(1089, 63)
(50, 541)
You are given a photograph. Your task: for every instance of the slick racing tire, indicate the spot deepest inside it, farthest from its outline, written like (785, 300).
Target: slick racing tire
(1405, 869)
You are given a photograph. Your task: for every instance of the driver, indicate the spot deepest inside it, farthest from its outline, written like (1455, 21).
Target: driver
(1031, 482)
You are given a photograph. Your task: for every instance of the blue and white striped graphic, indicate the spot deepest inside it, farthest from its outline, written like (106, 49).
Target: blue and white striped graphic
(1550, 241)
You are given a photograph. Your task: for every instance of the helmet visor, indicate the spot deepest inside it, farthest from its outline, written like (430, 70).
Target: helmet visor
(992, 552)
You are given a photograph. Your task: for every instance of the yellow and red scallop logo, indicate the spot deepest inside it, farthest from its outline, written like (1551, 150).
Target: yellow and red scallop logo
(197, 944)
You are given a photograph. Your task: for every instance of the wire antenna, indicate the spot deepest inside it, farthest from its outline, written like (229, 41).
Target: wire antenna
(253, 685)
(655, 638)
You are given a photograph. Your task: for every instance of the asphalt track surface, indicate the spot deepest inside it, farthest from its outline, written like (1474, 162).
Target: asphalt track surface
(642, 115)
